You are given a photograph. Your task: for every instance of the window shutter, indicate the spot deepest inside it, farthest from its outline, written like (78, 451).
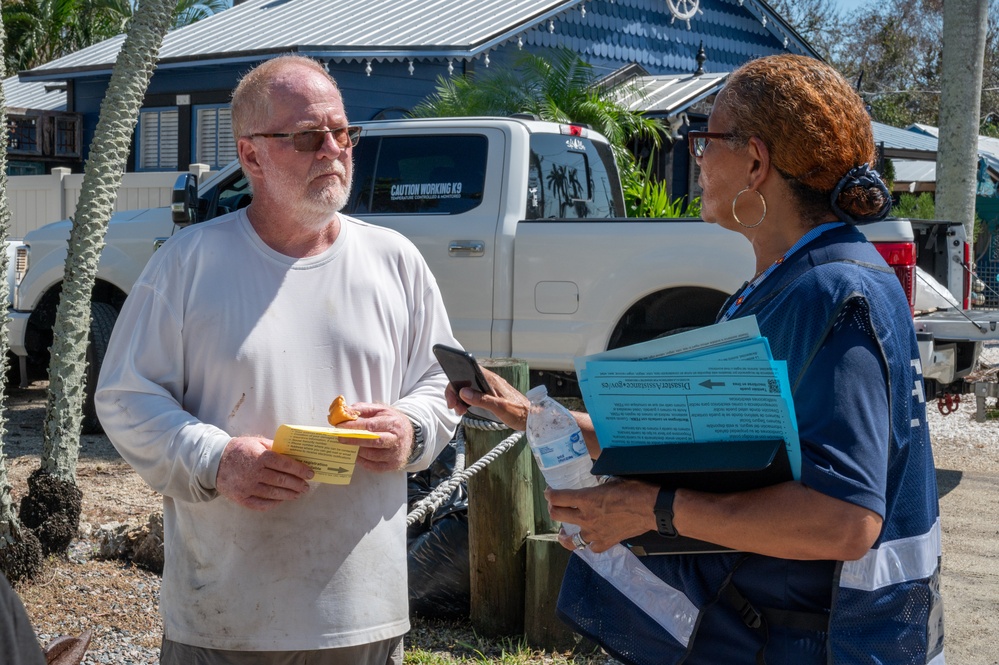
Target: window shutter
(215, 143)
(158, 136)
(169, 135)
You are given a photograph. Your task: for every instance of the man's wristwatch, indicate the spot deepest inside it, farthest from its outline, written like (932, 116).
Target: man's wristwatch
(664, 512)
(419, 442)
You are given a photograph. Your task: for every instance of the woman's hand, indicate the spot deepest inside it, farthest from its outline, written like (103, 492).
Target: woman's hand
(606, 514)
(506, 403)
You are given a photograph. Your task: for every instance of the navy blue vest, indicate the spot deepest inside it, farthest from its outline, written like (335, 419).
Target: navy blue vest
(886, 607)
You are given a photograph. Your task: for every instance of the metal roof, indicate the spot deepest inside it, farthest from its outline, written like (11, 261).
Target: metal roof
(23, 95)
(903, 144)
(339, 30)
(669, 93)
(914, 151)
(988, 147)
(378, 30)
(913, 171)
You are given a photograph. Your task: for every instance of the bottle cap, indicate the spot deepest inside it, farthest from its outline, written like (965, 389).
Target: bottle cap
(537, 393)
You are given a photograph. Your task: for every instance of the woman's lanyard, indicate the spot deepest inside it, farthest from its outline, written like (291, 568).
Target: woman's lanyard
(752, 286)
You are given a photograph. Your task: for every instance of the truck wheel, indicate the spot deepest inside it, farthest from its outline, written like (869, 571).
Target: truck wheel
(666, 312)
(102, 319)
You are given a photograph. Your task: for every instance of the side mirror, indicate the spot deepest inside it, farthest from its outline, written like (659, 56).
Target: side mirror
(185, 199)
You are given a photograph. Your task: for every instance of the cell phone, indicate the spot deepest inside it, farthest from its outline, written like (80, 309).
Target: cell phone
(463, 371)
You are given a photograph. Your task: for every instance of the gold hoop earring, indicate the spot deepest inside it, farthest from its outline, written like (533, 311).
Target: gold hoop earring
(762, 217)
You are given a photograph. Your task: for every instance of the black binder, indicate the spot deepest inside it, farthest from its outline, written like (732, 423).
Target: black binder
(727, 466)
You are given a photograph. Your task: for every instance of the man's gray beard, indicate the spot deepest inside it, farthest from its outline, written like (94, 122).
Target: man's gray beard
(317, 210)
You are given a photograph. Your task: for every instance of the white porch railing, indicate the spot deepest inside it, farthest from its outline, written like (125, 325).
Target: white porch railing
(36, 200)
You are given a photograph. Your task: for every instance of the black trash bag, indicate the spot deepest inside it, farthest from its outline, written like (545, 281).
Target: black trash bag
(439, 577)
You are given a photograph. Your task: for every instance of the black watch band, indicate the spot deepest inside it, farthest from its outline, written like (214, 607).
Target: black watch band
(664, 513)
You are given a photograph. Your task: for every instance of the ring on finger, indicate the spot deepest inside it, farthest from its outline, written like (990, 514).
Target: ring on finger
(577, 540)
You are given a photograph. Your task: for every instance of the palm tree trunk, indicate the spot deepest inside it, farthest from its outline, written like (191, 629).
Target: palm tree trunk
(20, 552)
(102, 177)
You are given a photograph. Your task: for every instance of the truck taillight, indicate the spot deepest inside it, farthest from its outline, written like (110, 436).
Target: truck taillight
(901, 257)
(966, 301)
(571, 130)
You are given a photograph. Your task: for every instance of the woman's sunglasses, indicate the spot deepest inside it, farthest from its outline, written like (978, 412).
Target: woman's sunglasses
(698, 141)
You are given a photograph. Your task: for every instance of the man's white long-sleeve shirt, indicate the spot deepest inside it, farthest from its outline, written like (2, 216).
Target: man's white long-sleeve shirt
(222, 337)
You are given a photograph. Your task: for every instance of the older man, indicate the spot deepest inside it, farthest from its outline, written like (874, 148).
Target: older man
(260, 318)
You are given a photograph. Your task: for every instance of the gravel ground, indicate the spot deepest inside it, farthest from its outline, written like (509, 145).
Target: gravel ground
(118, 600)
(967, 460)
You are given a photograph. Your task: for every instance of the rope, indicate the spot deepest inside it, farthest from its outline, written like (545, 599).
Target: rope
(440, 494)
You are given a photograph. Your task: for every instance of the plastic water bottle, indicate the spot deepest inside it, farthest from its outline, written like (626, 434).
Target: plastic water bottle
(557, 443)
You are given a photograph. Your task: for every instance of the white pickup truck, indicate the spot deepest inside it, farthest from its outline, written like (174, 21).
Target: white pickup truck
(522, 223)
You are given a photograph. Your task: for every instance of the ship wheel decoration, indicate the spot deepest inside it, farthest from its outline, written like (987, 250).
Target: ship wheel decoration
(684, 10)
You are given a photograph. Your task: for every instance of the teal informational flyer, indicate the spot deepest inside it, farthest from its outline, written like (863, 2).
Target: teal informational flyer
(718, 383)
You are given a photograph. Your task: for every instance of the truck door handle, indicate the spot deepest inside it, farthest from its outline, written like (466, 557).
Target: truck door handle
(158, 242)
(466, 248)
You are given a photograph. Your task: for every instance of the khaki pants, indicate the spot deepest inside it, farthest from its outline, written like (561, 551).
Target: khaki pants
(386, 652)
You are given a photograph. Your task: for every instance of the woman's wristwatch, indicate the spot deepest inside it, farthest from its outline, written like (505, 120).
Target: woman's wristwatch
(664, 513)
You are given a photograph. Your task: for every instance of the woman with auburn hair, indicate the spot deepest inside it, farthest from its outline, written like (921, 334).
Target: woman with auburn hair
(841, 565)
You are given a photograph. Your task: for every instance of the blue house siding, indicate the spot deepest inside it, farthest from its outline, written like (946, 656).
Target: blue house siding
(205, 60)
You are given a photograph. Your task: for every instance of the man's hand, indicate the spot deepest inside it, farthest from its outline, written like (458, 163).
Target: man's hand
(256, 477)
(506, 403)
(390, 451)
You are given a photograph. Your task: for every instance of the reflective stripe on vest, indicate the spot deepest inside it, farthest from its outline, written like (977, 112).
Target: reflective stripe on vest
(893, 562)
(667, 606)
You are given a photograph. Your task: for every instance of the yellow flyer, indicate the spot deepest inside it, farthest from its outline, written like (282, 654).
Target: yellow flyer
(320, 448)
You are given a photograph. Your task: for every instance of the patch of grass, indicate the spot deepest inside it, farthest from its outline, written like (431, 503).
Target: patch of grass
(440, 642)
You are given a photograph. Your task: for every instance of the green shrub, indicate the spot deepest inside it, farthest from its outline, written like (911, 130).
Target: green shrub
(644, 197)
(911, 206)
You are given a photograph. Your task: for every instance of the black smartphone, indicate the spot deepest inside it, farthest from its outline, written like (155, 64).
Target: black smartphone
(464, 372)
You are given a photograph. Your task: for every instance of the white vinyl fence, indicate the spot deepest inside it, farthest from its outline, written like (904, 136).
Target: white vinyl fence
(36, 200)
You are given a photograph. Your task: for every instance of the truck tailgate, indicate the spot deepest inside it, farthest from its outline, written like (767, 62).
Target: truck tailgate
(968, 325)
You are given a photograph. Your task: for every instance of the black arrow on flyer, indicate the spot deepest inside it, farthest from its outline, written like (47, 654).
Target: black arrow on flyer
(708, 383)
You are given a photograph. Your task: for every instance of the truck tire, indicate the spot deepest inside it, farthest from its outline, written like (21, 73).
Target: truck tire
(667, 312)
(102, 320)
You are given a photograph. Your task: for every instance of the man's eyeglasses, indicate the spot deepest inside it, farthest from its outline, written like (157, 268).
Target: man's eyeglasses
(699, 140)
(311, 140)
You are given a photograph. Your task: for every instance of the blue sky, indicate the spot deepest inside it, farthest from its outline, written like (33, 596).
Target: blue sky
(848, 5)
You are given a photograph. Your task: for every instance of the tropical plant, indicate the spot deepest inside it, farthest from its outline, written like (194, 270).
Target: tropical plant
(191, 11)
(558, 90)
(20, 551)
(53, 501)
(43, 30)
(646, 197)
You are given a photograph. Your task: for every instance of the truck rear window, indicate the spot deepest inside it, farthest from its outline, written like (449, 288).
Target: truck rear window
(572, 177)
(431, 175)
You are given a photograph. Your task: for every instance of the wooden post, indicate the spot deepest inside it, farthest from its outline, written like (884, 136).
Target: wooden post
(543, 522)
(546, 562)
(500, 518)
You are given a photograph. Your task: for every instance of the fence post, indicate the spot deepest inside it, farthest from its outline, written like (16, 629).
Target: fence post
(199, 170)
(500, 518)
(60, 173)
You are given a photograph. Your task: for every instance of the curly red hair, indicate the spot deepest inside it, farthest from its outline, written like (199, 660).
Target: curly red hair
(814, 124)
